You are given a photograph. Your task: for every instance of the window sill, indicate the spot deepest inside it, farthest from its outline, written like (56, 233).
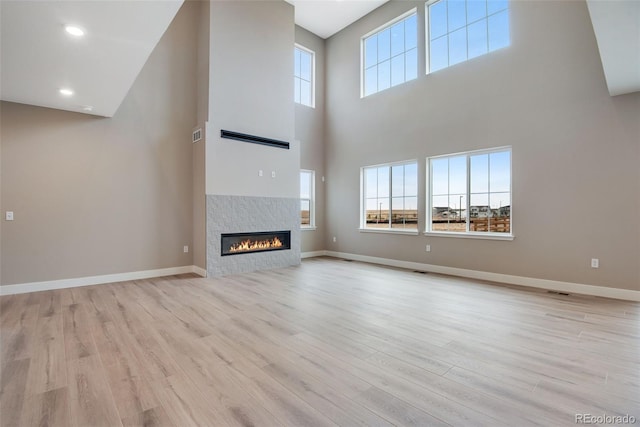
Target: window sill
(481, 236)
(389, 231)
(307, 228)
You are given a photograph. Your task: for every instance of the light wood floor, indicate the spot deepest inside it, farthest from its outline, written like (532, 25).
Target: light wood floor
(327, 343)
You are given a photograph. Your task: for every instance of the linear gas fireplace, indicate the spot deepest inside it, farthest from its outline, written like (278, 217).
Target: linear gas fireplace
(246, 220)
(242, 243)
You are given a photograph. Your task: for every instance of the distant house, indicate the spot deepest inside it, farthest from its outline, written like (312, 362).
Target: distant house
(444, 213)
(480, 212)
(488, 212)
(504, 211)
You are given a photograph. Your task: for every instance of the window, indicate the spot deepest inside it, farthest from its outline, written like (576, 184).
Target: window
(307, 199)
(459, 30)
(471, 192)
(390, 196)
(304, 76)
(390, 55)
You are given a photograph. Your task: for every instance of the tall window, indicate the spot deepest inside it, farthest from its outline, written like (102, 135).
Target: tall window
(471, 192)
(390, 55)
(303, 76)
(307, 199)
(390, 196)
(459, 30)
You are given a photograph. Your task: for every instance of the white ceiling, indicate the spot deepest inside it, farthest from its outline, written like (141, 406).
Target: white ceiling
(617, 27)
(324, 18)
(39, 57)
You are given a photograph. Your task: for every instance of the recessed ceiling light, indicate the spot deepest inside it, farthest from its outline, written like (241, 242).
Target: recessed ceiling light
(87, 108)
(66, 92)
(74, 31)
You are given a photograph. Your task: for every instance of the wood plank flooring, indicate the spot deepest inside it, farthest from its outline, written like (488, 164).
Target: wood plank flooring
(327, 343)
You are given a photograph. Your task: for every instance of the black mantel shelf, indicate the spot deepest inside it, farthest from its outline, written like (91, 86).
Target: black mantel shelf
(253, 139)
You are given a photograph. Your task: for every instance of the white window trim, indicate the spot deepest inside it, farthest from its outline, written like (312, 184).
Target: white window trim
(372, 32)
(363, 227)
(469, 234)
(313, 75)
(390, 231)
(427, 42)
(312, 202)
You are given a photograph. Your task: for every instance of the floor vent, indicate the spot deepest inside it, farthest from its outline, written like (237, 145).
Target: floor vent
(347, 260)
(558, 293)
(420, 272)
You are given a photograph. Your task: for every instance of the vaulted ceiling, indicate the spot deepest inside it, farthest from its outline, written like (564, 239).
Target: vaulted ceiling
(324, 18)
(616, 24)
(39, 58)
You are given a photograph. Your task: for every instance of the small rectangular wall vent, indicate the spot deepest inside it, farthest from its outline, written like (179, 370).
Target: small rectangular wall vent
(197, 135)
(253, 139)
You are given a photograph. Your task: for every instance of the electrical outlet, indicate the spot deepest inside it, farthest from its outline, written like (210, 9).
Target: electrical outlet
(273, 174)
(260, 172)
(428, 248)
(595, 263)
(334, 239)
(9, 216)
(185, 249)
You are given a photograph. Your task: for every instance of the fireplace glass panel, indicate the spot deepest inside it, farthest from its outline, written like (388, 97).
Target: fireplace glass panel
(242, 243)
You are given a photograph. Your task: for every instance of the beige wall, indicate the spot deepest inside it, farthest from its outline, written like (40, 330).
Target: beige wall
(203, 72)
(199, 157)
(310, 134)
(251, 91)
(96, 196)
(576, 150)
(199, 206)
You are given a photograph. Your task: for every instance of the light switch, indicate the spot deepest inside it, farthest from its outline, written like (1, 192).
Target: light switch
(9, 216)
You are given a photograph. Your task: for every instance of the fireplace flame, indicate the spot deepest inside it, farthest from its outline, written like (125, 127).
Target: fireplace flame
(252, 245)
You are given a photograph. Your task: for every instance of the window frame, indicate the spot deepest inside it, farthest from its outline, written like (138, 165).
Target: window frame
(363, 194)
(313, 74)
(427, 29)
(312, 200)
(389, 24)
(488, 235)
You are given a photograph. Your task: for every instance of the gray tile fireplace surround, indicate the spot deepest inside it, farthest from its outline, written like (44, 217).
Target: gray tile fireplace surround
(240, 214)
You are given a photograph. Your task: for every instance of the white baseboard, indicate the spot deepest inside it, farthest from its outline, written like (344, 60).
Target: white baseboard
(199, 271)
(576, 288)
(98, 280)
(568, 287)
(312, 254)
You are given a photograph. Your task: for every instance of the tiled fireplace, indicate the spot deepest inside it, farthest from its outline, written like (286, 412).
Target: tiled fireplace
(260, 232)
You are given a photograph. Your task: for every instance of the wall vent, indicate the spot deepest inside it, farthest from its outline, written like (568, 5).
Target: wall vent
(197, 135)
(558, 293)
(253, 139)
